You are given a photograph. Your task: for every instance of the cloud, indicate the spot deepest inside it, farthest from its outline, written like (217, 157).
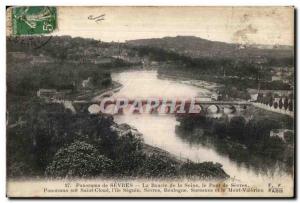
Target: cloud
(241, 36)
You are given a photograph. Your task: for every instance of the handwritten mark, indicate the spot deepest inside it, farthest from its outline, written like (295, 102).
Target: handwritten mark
(97, 19)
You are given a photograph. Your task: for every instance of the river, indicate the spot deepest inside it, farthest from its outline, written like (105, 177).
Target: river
(159, 130)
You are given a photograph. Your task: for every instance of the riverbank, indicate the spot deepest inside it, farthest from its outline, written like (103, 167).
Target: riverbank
(187, 168)
(159, 163)
(211, 86)
(223, 88)
(184, 167)
(248, 138)
(95, 95)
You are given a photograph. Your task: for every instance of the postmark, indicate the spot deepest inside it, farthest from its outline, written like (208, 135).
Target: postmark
(33, 20)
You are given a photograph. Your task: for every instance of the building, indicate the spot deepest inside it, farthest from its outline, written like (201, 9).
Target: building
(17, 55)
(283, 74)
(280, 93)
(276, 77)
(53, 93)
(102, 60)
(61, 95)
(253, 94)
(41, 59)
(87, 83)
(47, 93)
(280, 133)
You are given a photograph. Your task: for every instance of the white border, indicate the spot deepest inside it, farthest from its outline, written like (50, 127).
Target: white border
(3, 3)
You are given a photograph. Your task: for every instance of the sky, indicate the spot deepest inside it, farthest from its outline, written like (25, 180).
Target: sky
(246, 25)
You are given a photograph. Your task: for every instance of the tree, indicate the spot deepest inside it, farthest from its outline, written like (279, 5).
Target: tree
(291, 105)
(79, 160)
(258, 131)
(236, 128)
(289, 137)
(274, 148)
(129, 153)
(265, 100)
(286, 103)
(219, 128)
(280, 103)
(260, 97)
(271, 101)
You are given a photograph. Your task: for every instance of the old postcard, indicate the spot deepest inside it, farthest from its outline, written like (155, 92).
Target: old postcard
(150, 102)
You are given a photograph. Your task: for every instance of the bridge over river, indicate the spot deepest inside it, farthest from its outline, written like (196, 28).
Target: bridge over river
(163, 106)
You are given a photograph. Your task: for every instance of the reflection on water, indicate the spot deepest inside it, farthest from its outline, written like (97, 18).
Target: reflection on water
(244, 158)
(159, 130)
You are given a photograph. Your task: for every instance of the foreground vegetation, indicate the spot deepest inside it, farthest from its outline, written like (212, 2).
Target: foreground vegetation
(53, 142)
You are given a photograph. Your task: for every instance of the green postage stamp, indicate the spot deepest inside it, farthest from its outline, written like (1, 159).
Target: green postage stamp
(33, 20)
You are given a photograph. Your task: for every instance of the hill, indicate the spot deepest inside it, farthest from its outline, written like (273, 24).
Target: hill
(197, 47)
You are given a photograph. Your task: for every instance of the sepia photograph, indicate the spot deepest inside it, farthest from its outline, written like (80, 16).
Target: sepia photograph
(150, 101)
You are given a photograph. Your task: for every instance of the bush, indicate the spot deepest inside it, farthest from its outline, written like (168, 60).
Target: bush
(236, 128)
(128, 154)
(289, 137)
(219, 128)
(204, 170)
(157, 166)
(274, 148)
(79, 160)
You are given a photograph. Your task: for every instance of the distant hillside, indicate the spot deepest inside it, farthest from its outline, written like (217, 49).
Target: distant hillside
(196, 47)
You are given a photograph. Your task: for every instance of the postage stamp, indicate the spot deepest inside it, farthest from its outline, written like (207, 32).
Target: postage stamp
(33, 20)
